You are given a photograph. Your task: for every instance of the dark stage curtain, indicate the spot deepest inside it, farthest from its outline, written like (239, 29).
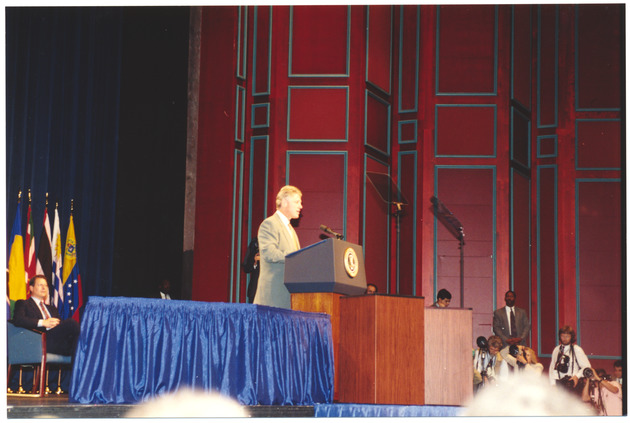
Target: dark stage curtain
(63, 68)
(133, 349)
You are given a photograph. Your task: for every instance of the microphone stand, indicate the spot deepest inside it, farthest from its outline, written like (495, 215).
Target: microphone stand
(455, 227)
(389, 192)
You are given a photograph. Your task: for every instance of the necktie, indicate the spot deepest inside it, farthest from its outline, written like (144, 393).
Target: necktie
(512, 323)
(294, 236)
(43, 307)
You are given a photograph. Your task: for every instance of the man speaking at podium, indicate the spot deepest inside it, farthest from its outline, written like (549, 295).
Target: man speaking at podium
(276, 239)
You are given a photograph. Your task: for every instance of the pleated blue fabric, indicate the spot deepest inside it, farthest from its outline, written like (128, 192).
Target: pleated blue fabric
(133, 349)
(377, 410)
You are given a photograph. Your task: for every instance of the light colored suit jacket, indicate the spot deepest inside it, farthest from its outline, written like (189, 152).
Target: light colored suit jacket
(501, 325)
(274, 243)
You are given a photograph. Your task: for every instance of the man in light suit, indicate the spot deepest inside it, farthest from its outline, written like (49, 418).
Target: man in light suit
(502, 322)
(276, 239)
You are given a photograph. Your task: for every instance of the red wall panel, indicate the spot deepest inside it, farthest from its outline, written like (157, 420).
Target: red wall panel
(377, 122)
(522, 55)
(322, 179)
(465, 131)
(547, 65)
(600, 263)
(521, 241)
(466, 42)
(262, 49)
(319, 40)
(547, 259)
(469, 195)
(408, 248)
(599, 38)
(598, 144)
(318, 113)
(258, 182)
(409, 57)
(520, 138)
(239, 222)
(376, 231)
(379, 39)
(215, 153)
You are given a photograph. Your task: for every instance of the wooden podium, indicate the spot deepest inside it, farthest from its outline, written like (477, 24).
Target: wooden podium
(448, 345)
(385, 346)
(381, 351)
(318, 275)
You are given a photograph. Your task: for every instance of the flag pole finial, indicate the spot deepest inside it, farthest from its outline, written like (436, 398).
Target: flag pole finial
(29, 196)
(46, 200)
(19, 195)
(72, 206)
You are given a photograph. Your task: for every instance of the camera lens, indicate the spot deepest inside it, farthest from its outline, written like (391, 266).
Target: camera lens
(588, 372)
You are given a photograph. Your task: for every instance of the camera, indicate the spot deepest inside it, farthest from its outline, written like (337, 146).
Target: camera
(515, 351)
(482, 343)
(563, 364)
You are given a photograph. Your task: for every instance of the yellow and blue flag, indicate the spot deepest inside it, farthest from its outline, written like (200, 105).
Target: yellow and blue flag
(73, 292)
(17, 274)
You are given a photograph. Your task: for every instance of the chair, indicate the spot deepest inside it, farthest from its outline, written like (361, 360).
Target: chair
(27, 347)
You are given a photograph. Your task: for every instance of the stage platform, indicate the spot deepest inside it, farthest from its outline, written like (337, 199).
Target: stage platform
(58, 406)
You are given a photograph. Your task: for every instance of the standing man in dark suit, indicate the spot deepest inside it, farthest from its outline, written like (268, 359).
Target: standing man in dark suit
(511, 323)
(34, 313)
(251, 265)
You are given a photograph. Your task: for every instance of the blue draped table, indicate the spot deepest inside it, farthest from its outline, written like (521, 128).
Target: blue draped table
(132, 349)
(374, 410)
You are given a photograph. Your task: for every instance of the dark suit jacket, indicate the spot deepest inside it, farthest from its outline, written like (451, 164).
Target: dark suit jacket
(501, 326)
(62, 339)
(26, 313)
(248, 267)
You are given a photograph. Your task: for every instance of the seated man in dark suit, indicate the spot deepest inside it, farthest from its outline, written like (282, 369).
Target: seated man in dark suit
(34, 313)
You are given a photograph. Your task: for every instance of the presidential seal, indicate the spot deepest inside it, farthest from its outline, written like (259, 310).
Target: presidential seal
(351, 262)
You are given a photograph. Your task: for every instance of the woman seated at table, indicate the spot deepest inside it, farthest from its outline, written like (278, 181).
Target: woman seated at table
(522, 358)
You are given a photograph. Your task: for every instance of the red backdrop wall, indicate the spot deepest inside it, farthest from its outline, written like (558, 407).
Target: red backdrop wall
(503, 112)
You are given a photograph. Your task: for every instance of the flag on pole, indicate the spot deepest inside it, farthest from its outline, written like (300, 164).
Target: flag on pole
(73, 293)
(57, 253)
(30, 264)
(17, 287)
(44, 252)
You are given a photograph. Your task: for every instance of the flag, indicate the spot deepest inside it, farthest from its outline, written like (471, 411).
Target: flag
(30, 265)
(17, 286)
(57, 253)
(44, 253)
(73, 293)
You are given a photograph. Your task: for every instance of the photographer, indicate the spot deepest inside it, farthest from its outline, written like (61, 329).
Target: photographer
(486, 361)
(568, 360)
(523, 359)
(604, 394)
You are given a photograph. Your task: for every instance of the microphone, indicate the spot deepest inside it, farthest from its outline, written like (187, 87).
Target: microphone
(330, 231)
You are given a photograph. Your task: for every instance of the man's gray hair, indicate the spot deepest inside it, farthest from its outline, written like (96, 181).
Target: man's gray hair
(286, 191)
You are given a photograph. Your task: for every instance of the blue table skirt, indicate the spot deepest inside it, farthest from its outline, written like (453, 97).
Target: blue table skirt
(376, 410)
(132, 349)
